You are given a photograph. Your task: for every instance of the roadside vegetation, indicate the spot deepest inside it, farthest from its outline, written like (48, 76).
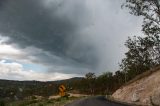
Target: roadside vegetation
(43, 102)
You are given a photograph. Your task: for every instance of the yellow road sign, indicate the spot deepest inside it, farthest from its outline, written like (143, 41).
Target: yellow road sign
(62, 90)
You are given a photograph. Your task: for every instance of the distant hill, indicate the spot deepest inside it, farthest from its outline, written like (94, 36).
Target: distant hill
(21, 89)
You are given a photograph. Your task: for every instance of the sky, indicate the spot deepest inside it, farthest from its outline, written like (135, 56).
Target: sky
(58, 39)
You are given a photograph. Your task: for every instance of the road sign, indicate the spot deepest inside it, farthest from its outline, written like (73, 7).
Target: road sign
(62, 90)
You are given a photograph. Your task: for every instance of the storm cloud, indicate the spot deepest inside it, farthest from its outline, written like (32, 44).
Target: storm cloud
(70, 36)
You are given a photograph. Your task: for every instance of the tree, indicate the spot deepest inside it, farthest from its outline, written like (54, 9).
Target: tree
(142, 55)
(150, 11)
(90, 75)
(90, 81)
(105, 82)
(143, 52)
(119, 78)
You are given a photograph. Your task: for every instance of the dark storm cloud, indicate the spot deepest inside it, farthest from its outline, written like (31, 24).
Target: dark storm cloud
(76, 36)
(52, 26)
(2, 2)
(28, 22)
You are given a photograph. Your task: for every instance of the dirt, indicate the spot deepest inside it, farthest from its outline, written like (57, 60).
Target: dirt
(70, 95)
(141, 91)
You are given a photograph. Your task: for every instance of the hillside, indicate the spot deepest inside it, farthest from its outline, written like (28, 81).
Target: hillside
(10, 89)
(144, 89)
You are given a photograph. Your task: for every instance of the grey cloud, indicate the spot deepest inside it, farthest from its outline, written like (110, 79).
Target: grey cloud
(29, 22)
(81, 35)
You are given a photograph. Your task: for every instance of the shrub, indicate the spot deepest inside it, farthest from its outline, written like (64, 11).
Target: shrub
(2, 103)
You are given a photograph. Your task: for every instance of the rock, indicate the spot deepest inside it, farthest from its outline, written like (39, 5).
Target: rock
(146, 101)
(155, 99)
(135, 97)
(145, 90)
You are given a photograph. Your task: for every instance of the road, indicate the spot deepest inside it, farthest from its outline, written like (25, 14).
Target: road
(95, 101)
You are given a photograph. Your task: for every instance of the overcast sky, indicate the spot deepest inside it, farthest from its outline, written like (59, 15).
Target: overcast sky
(59, 39)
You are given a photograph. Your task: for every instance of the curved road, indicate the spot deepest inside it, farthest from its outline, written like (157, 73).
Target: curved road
(95, 101)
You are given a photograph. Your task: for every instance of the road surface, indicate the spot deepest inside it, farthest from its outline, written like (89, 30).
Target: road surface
(95, 101)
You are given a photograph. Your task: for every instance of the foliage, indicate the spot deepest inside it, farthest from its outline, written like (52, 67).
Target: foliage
(143, 52)
(150, 10)
(2, 103)
(43, 102)
(103, 84)
(90, 76)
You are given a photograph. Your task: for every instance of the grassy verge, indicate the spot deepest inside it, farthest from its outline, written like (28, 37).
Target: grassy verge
(43, 102)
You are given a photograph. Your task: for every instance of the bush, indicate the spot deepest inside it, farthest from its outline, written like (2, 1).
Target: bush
(2, 103)
(50, 101)
(33, 101)
(33, 97)
(40, 104)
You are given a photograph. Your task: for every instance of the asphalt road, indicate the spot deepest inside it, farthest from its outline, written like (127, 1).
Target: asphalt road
(95, 101)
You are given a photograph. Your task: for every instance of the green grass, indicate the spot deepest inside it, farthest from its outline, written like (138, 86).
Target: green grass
(43, 102)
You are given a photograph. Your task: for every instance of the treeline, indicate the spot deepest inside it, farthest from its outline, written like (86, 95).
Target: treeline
(106, 83)
(15, 90)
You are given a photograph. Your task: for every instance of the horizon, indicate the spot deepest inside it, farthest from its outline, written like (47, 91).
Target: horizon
(40, 80)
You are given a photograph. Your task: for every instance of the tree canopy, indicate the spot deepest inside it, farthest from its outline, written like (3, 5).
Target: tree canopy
(150, 10)
(143, 51)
